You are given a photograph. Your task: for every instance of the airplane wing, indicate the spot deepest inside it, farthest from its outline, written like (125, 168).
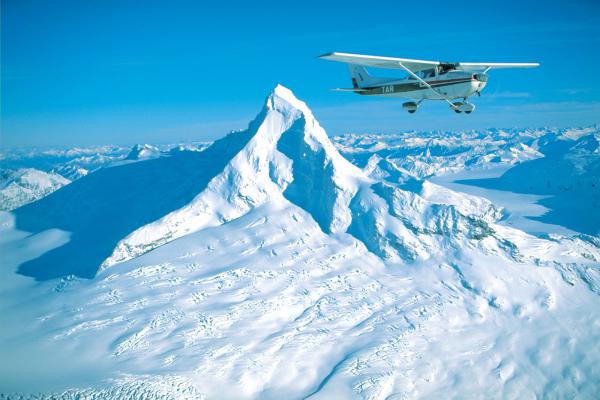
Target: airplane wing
(416, 65)
(479, 66)
(380, 62)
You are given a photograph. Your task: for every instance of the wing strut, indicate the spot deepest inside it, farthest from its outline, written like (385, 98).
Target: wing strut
(426, 84)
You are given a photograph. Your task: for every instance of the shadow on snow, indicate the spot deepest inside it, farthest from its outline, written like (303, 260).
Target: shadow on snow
(102, 208)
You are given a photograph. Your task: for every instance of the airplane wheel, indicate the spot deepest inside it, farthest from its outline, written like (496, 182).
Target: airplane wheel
(412, 111)
(457, 111)
(468, 112)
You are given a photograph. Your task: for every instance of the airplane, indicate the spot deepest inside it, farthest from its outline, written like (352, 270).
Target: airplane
(426, 80)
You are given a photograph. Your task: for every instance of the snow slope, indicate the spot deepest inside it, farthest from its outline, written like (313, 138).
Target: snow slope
(269, 266)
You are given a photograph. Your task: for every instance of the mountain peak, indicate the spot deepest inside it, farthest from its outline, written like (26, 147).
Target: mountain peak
(283, 100)
(284, 93)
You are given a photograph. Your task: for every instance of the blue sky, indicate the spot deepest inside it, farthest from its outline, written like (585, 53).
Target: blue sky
(93, 72)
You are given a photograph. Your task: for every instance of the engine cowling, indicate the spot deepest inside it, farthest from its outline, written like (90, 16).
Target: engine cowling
(480, 77)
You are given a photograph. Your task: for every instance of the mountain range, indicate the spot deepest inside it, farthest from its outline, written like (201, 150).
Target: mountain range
(277, 263)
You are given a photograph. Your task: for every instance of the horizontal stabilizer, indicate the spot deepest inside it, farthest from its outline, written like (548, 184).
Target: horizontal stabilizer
(349, 90)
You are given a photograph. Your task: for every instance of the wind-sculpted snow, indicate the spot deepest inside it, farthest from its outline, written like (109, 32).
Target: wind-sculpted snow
(269, 306)
(128, 387)
(269, 266)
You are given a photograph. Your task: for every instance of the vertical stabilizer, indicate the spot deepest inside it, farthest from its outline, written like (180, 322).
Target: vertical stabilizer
(360, 76)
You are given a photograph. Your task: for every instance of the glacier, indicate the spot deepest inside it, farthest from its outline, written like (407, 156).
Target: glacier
(277, 263)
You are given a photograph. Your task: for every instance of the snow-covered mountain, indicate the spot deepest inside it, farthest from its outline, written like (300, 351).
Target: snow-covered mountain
(143, 152)
(561, 164)
(25, 185)
(426, 154)
(71, 164)
(569, 172)
(270, 266)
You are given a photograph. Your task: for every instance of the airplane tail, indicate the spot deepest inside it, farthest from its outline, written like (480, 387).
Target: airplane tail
(360, 76)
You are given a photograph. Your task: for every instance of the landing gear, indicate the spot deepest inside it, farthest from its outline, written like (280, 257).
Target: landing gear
(411, 106)
(463, 106)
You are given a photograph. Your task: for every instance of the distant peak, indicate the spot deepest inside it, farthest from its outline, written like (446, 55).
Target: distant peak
(142, 151)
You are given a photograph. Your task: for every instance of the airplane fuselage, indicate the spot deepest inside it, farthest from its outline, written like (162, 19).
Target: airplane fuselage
(452, 84)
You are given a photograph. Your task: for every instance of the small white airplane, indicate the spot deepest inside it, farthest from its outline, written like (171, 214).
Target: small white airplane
(426, 80)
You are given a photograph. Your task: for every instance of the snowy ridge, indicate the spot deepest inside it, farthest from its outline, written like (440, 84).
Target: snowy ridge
(26, 185)
(465, 204)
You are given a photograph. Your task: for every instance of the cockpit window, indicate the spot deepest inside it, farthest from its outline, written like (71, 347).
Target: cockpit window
(424, 74)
